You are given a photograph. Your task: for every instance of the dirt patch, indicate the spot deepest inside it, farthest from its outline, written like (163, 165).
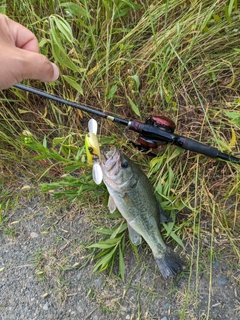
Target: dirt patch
(46, 273)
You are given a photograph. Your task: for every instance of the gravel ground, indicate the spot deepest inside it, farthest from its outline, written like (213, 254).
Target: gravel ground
(69, 289)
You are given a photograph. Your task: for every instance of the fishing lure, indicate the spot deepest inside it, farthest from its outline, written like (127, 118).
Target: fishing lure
(93, 151)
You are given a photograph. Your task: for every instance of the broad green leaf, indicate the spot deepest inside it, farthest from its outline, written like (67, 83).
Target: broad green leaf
(79, 153)
(177, 239)
(228, 11)
(73, 167)
(54, 35)
(134, 106)
(105, 244)
(103, 230)
(155, 161)
(136, 80)
(71, 65)
(177, 151)
(49, 155)
(58, 140)
(112, 91)
(63, 26)
(217, 18)
(234, 116)
(114, 215)
(232, 4)
(75, 9)
(102, 253)
(73, 84)
(57, 52)
(37, 147)
(168, 227)
(119, 229)
(103, 263)
(45, 142)
(121, 13)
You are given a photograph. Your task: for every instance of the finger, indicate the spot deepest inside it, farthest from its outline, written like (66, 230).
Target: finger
(37, 66)
(22, 37)
(27, 66)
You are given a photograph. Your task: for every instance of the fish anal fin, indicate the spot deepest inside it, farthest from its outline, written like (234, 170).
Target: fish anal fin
(134, 236)
(164, 218)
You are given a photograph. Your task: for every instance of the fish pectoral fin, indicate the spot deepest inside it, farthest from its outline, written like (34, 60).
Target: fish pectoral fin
(111, 204)
(164, 218)
(134, 236)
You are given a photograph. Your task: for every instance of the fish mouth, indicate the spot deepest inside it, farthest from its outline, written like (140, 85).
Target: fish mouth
(111, 153)
(110, 160)
(108, 155)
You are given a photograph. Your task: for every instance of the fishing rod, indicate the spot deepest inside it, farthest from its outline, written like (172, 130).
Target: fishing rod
(155, 131)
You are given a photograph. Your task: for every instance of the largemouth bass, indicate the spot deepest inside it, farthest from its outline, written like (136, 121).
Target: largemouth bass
(133, 195)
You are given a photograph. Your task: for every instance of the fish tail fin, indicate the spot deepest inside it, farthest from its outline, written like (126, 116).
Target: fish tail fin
(169, 264)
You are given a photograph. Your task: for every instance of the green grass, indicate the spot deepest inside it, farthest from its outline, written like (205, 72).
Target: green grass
(134, 59)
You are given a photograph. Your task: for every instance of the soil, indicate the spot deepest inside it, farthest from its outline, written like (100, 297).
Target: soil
(46, 273)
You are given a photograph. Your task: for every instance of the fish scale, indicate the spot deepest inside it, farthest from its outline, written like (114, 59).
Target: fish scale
(133, 195)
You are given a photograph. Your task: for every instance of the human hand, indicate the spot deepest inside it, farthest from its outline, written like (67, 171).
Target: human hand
(19, 56)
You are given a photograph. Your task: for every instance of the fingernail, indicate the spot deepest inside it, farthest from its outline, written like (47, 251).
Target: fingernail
(55, 72)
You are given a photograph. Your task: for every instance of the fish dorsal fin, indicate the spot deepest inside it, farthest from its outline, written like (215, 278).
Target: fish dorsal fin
(134, 236)
(111, 204)
(164, 218)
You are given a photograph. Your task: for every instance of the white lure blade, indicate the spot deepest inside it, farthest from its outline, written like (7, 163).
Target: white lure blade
(97, 173)
(92, 126)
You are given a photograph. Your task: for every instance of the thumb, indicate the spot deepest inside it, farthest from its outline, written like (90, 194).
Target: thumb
(36, 66)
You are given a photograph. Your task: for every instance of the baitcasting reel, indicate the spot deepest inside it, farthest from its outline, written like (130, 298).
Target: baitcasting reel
(161, 122)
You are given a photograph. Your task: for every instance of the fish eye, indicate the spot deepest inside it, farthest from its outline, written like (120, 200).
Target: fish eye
(124, 164)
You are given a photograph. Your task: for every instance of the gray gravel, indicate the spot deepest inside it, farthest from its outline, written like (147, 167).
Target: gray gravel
(77, 293)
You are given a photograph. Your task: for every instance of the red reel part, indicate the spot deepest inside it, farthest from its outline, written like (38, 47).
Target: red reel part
(160, 122)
